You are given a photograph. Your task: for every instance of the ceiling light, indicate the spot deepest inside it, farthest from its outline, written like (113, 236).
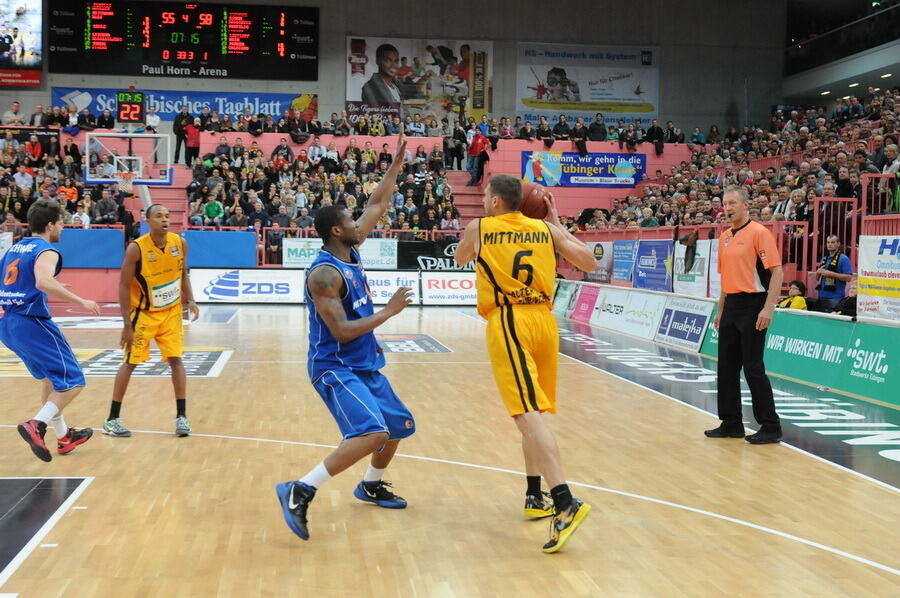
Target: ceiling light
(877, 89)
(886, 75)
(853, 85)
(824, 93)
(845, 98)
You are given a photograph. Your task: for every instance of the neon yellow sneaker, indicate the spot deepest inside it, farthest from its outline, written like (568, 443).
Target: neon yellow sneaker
(538, 506)
(564, 524)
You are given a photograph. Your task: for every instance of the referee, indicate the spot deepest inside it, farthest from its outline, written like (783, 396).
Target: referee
(750, 268)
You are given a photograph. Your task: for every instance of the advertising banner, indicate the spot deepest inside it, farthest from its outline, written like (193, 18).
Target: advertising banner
(21, 43)
(584, 304)
(565, 294)
(448, 288)
(603, 253)
(271, 285)
(622, 82)
(5, 242)
(715, 279)
(623, 260)
(684, 322)
(23, 134)
(710, 346)
(431, 77)
(570, 169)
(383, 285)
(872, 363)
(168, 103)
(429, 255)
(376, 254)
(631, 312)
(695, 282)
(653, 265)
(878, 286)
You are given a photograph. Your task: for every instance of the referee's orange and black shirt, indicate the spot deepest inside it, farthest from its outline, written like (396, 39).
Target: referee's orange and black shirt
(746, 255)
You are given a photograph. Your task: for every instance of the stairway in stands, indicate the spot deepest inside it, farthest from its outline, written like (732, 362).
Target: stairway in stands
(174, 198)
(468, 200)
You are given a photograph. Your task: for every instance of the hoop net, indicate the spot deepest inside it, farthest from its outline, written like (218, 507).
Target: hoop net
(125, 180)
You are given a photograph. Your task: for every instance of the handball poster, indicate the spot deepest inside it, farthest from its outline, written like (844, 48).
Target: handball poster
(432, 78)
(21, 36)
(622, 82)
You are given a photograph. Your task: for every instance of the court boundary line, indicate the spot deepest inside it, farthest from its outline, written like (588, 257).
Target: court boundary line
(701, 410)
(51, 522)
(632, 495)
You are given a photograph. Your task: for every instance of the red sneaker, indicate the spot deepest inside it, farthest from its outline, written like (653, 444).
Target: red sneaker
(33, 432)
(73, 438)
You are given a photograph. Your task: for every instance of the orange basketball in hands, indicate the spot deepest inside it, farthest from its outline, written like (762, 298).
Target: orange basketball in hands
(533, 204)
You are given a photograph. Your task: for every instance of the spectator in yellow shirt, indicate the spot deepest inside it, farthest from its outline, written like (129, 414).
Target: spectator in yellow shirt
(795, 298)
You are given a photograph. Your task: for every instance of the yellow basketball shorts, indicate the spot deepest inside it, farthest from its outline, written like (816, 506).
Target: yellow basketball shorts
(523, 344)
(165, 327)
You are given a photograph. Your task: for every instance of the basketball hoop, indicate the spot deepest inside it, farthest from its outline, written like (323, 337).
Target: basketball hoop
(125, 179)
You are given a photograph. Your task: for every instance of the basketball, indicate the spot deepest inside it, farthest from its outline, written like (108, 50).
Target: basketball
(533, 204)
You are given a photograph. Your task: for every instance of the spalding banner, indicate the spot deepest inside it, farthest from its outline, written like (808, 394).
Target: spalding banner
(429, 255)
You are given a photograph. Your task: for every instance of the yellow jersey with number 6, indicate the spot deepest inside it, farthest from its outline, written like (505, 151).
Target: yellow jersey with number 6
(516, 263)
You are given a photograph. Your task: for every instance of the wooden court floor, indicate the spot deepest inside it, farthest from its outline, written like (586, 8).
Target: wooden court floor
(674, 514)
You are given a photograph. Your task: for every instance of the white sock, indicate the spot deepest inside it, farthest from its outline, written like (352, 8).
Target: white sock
(47, 412)
(59, 425)
(373, 474)
(318, 476)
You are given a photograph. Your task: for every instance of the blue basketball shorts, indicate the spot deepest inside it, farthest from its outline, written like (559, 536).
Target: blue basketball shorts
(364, 403)
(43, 349)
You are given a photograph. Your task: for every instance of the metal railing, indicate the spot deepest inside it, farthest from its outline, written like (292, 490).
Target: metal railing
(868, 32)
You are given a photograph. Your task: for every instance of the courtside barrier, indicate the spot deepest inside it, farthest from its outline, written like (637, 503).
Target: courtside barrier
(859, 357)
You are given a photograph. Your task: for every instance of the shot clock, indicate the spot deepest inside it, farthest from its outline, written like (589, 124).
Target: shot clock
(130, 107)
(169, 39)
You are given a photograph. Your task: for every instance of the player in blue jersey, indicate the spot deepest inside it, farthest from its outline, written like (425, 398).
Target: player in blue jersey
(344, 358)
(28, 272)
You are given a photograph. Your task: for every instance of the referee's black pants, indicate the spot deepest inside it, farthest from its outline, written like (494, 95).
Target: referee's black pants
(742, 345)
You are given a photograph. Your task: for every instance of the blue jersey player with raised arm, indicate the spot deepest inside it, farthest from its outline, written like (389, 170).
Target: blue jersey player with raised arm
(344, 358)
(28, 271)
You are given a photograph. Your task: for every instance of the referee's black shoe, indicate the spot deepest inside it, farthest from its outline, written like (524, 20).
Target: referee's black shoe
(764, 437)
(726, 431)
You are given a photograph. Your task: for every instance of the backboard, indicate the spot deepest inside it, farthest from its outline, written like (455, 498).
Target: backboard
(144, 154)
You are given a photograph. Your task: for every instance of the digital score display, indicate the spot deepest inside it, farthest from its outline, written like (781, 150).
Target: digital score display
(130, 107)
(168, 39)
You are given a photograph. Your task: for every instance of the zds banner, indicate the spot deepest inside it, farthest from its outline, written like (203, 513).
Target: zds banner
(169, 103)
(570, 169)
(622, 82)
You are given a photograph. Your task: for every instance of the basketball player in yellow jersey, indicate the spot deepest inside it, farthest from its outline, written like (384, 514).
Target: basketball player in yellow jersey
(153, 283)
(515, 278)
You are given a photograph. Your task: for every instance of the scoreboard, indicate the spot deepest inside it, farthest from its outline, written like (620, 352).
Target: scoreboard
(169, 39)
(130, 107)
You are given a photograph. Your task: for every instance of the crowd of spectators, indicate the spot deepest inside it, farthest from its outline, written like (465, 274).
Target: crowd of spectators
(835, 152)
(32, 170)
(238, 185)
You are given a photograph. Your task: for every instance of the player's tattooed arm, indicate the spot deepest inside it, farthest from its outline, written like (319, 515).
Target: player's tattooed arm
(327, 287)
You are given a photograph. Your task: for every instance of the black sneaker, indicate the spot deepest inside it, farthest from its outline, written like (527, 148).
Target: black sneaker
(295, 498)
(565, 523)
(33, 432)
(538, 506)
(726, 431)
(764, 437)
(379, 493)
